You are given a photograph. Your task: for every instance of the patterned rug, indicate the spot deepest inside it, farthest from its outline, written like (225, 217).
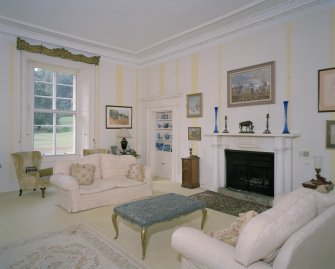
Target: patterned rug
(78, 246)
(226, 204)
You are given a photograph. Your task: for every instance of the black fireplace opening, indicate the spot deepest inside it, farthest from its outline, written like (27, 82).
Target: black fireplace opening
(250, 171)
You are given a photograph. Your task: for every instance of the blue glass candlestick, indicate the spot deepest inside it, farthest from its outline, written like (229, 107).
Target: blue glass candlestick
(216, 120)
(285, 131)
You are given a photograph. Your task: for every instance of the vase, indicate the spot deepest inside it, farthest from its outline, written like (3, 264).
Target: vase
(216, 120)
(285, 131)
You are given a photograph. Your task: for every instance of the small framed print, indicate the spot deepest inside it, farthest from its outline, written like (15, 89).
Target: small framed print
(118, 117)
(194, 105)
(330, 134)
(194, 133)
(326, 96)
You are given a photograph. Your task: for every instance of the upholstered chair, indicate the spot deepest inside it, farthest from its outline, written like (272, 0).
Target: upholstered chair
(30, 176)
(95, 151)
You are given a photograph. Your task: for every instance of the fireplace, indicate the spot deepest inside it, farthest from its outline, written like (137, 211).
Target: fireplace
(250, 171)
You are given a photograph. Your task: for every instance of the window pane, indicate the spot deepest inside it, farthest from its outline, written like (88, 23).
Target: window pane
(65, 119)
(43, 139)
(63, 104)
(41, 118)
(65, 142)
(42, 75)
(43, 102)
(44, 89)
(64, 78)
(64, 91)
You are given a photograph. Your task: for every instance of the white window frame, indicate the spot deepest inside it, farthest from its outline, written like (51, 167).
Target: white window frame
(54, 110)
(85, 119)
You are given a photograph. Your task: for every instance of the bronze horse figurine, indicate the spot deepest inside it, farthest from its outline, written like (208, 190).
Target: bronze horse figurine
(248, 126)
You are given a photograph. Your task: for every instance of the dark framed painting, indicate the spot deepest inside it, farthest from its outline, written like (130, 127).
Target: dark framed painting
(194, 133)
(118, 117)
(252, 85)
(326, 90)
(330, 134)
(194, 105)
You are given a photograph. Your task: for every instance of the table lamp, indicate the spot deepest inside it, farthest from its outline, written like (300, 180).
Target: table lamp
(124, 134)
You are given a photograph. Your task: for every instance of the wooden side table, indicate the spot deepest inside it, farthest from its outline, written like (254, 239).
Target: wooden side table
(190, 172)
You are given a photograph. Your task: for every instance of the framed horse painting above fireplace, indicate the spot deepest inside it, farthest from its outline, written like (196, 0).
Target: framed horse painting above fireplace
(252, 85)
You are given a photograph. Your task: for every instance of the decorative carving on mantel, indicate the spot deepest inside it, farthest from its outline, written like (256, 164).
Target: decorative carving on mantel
(57, 52)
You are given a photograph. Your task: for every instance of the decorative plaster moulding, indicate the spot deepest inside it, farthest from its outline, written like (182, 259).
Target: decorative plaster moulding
(199, 37)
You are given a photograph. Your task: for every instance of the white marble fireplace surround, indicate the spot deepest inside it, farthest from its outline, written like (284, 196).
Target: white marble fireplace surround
(280, 144)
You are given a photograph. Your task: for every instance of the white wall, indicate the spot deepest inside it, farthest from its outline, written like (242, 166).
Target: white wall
(299, 45)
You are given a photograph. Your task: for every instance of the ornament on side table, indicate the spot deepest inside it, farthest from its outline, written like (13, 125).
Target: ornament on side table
(267, 131)
(320, 183)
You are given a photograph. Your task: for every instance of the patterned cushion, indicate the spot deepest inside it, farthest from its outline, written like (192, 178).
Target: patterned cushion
(136, 172)
(83, 173)
(30, 169)
(230, 235)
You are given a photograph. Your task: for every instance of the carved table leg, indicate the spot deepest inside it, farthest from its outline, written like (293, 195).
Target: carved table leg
(204, 215)
(114, 216)
(144, 242)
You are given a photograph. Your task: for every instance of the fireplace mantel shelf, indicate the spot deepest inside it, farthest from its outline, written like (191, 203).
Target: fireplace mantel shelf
(292, 135)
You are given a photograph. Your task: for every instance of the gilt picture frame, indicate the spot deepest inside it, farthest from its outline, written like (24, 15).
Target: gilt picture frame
(252, 85)
(118, 117)
(326, 90)
(194, 105)
(194, 133)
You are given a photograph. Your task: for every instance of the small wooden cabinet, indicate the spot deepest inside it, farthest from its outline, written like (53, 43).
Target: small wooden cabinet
(190, 172)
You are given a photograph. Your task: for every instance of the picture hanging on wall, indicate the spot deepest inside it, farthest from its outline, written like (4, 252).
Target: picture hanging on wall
(194, 105)
(252, 85)
(118, 117)
(330, 134)
(326, 96)
(194, 133)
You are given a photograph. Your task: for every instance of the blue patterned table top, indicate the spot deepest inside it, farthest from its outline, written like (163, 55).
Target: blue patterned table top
(158, 209)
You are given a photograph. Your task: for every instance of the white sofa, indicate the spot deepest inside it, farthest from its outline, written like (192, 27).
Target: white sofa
(298, 230)
(111, 183)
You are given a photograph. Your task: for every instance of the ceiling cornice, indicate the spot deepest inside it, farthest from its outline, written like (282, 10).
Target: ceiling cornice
(204, 35)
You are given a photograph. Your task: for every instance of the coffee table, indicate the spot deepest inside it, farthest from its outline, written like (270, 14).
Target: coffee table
(149, 211)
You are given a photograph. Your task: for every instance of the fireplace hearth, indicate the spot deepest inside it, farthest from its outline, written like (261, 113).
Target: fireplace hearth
(250, 171)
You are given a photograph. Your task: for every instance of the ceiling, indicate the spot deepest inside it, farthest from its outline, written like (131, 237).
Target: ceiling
(138, 28)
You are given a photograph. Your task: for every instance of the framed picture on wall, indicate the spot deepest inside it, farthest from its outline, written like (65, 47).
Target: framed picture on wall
(252, 85)
(326, 96)
(194, 105)
(330, 134)
(118, 117)
(194, 133)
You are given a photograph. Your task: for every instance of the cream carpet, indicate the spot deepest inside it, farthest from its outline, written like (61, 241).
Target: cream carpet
(30, 215)
(78, 246)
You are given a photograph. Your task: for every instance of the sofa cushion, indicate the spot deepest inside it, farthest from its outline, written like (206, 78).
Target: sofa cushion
(267, 232)
(136, 171)
(83, 173)
(63, 167)
(124, 182)
(113, 165)
(97, 186)
(324, 200)
(230, 235)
